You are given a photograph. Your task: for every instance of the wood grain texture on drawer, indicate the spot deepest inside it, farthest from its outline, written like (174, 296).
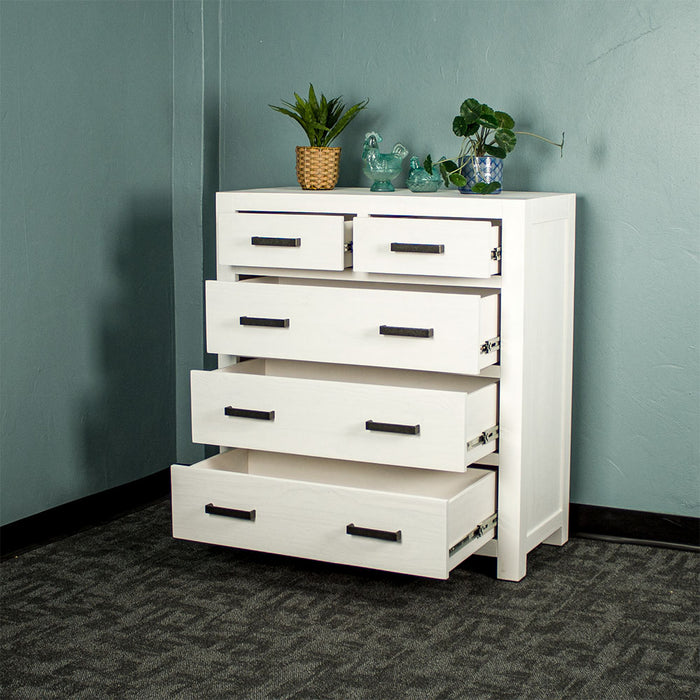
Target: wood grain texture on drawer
(412, 419)
(426, 246)
(312, 242)
(347, 513)
(363, 324)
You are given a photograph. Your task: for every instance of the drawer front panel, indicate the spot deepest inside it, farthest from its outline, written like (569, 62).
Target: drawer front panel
(310, 521)
(440, 247)
(404, 426)
(312, 242)
(378, 327)
(356, 526)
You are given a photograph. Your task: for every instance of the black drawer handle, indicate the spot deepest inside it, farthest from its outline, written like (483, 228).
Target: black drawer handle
(278, 242)
(410, 332)
(392, 428)
(438, 248)
(352, 529)
(269, 322)
(249, 413)
(229, 512)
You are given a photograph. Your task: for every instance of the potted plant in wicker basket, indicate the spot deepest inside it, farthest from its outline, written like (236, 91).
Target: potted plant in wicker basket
(322, 121)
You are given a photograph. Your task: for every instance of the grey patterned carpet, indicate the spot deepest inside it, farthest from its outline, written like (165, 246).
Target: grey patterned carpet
(124, 611)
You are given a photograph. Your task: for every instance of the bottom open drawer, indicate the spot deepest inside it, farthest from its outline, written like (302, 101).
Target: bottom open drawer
(391, 518)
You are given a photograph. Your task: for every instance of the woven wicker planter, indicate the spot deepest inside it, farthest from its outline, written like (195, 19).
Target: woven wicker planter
(317, 167)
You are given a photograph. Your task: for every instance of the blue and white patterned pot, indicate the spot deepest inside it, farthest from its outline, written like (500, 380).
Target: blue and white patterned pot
(481, 169)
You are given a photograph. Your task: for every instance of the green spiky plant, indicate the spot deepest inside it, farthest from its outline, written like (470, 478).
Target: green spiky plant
(322, 120)
(484, 132)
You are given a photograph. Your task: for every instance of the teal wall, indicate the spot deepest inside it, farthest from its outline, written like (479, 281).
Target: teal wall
(621, 78)
(86, 324)
(120, 120)
(195, 151)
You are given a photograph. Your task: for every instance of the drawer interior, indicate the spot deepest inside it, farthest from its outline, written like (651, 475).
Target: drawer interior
(419, 483)
(351, 284)
(355, 374)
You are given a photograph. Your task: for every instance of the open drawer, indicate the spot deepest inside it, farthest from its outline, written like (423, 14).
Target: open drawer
(426, 246)
(259, 239)
(407, 418)
(403, 520)
(438, 329)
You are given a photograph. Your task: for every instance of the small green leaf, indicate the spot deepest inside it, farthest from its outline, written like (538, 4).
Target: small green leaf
(318, 126)
(458, 180)
(495, 151)
(488, 120)
(505, 121)
(472, 129)
(301, 104)
(298, 119)
(309, 115)
(335, 107)
(470, 110)
(459, 126)
(444, 174)
(506, 139)
(428, 164)
(312, 99)
(288, 112)
(293, 107)
(485, 187)
(323, 113)
(344, 121)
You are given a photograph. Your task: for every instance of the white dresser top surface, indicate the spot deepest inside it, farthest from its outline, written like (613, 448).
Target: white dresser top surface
(440, 194)
(360, 201)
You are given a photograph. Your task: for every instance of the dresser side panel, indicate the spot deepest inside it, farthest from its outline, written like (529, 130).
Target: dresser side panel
(547, 353)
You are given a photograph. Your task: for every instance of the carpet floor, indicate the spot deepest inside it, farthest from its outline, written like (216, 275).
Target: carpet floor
(124, 611)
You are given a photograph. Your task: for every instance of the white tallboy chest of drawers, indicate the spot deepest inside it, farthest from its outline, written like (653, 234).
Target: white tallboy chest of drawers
(394, 377)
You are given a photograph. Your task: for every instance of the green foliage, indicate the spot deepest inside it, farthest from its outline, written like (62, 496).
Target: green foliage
(450, 173)
(484, 132)
(485, 187)
(322, 120)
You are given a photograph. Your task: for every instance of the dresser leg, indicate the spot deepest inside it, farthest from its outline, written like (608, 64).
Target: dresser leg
(558, 537)
(511, 566)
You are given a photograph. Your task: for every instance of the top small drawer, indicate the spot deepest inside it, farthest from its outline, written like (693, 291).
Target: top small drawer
(426, 246)
(296, 241)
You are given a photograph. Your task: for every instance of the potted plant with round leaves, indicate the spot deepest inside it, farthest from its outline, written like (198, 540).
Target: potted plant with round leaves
(322, 120)
(488, 136)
